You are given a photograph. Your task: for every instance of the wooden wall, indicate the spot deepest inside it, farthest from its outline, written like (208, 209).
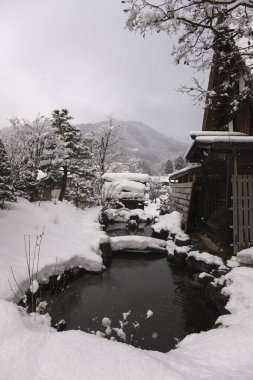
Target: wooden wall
(242, 195)
(182, 193)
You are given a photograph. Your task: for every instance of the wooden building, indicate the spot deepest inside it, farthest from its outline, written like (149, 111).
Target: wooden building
(215, 193)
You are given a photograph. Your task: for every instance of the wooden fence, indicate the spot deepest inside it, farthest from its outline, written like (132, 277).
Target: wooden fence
(242, 195)
(181, 199)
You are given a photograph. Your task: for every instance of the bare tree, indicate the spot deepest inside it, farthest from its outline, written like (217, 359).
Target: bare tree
(203, 28)
(103, 141)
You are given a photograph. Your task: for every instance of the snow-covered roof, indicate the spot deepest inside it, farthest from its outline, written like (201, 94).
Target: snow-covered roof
(195, 134)
(184, 170)
(219, 138)
(225, 139)
(118, 177)
(161, 179)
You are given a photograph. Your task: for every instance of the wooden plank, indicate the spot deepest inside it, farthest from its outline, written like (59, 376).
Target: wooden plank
(182, 207)
(187, 190)
(250, 179)
(245, 211)
(182, 196)
(182, 202)
(235, 213)
(240, 211)
(183, 184)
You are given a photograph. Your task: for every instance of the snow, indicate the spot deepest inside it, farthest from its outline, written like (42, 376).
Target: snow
(106, 322)
(135, 242)
(71, 238)
(126, 315)
(225, 139)
(29, 347)
(119, 177)
(207, 258)
(152, 209)
(34, 286)
(184, 170)
(123, 215)
(245, 256)
(204, 274)
(149, 314)
(169, 222)
(195, 134)
(131, 195)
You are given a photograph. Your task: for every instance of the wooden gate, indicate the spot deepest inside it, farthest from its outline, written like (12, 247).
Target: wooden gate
(242, 195)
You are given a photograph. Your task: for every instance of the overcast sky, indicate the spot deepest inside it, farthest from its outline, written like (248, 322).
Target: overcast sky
(77, 54)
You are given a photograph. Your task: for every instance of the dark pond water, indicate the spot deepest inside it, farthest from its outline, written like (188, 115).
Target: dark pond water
(138, 283)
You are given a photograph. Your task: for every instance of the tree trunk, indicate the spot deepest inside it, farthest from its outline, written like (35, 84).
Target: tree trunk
(64, 183)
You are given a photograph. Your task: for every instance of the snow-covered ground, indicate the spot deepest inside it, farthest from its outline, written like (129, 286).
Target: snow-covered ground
(71, 238)
(31, 349)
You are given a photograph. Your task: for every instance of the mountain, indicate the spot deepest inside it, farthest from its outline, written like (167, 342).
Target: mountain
(145, 143)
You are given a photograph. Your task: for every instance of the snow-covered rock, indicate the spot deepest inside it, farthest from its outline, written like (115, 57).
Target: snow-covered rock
(245, 256)
(139, 243)
(170, 223)
(207, 258)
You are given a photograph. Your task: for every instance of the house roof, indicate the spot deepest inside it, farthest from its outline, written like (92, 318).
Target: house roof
(184, 171)
(202, 145)
(195, 134)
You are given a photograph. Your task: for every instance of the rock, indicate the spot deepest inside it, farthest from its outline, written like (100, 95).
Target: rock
(200, 266)
(106, 249)
(132, 225)
(182, 241)
(205, 278)
(61, 325)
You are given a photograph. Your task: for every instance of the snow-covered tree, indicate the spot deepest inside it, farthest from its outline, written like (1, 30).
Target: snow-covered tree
(6, 187)
(104, 144)
(208, 32)
(25, 142)
(180, 163)
(74, 158)
(169, 167)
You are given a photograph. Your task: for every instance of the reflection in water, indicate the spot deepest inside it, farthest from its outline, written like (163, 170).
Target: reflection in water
(138, 282)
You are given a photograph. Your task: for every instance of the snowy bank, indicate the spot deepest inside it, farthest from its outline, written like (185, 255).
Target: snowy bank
(71, 238)
(30, 348)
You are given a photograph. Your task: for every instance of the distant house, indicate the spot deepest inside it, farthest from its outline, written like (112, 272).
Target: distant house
(215, 193)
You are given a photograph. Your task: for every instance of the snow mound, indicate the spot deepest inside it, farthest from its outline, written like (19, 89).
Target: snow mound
(170, 222)
(207, 258)
(119, 177)
(245, 256)
(140, 243)
(71, 238)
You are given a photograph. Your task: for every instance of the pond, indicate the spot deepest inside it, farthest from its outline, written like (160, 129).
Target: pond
(138, 282)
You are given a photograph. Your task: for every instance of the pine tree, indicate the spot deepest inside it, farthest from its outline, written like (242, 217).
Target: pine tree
(74, 158)
(169, 167)
(6, 187)
(180, 163)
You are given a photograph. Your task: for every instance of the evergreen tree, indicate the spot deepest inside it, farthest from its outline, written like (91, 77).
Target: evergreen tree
(6, 187)
(74, 158)
(169, 167)
(180, 163)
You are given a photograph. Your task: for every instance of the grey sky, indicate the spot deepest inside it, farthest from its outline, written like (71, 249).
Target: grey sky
(77, 54)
